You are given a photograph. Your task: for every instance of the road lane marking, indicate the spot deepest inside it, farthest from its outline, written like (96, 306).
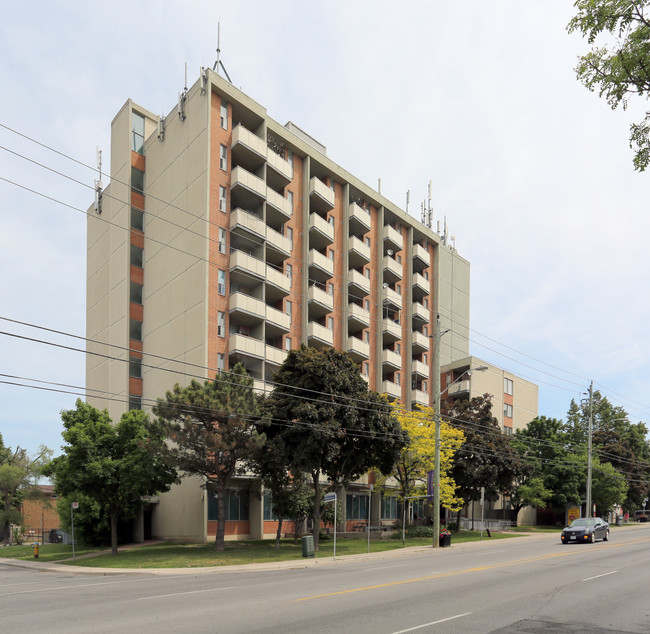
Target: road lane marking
(613, 572)
(382, 567)
(79, 585)
(419, 627)
(490, 552)
(454, 573)
(178, 594)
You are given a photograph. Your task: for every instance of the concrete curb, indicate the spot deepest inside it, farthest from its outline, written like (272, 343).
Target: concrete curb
(294, 564)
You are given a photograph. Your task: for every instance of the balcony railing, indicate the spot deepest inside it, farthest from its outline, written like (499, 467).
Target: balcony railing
(393, 237)
(392, 389)
(358, 349)
(322, 298)
(321, 232)
(239, 177)
(246, 346)
(360, 221)
(320, 334)
(360, 282)
(242, 219)
(320, 195)
(243, 304)
(391, 359)
(240, 260)
(322, 264)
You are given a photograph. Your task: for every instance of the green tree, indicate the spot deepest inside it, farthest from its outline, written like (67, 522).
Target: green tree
(528, 492)
(112, 465)
(608, 486)
(620, 67)
(329, 421)
(211, 425)
(18, 476)
(486, 459)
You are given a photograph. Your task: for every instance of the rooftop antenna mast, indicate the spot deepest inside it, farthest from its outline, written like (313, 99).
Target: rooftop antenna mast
(219, 62)
(429, 209)
(99, 186)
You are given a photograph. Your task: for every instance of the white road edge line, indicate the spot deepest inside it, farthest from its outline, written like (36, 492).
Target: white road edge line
(419, 627)
(179, 594)
(613, 572)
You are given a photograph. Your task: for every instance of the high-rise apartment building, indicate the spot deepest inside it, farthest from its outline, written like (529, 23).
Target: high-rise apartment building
(225, 236)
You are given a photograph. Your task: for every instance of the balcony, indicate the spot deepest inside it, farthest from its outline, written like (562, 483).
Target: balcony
(278, 208)
(419, 342)
(246, 346)
(392, 299)
(321, 197)
(421, 286)
(358, 283)
(360, 220)
(248, 150)
(420, 398)
(358, 317)
(391, 359)
(242, 221)
(461, 388)
(393, 238)
(279, 243)
(242, 262)
(246, 310)
(358, 253)
(321, 232)
(319, 336)
(321, 268)
(320, 302)
(392, 270)
(421, 257)
(278, 285)
(248, 188)
(359, 350)
(278, 170)
(391, 331)
(260, 386)
(420, 369)
(277, 322)
(275, 355)
(419, 312)
(392, 389)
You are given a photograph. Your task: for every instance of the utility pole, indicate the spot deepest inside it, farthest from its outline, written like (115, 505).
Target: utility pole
(591, 417)
(436, 416)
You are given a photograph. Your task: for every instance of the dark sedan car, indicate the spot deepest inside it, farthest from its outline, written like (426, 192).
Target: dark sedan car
(586, 529)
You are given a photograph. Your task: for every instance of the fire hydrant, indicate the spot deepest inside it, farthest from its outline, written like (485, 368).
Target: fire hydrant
(35, 547)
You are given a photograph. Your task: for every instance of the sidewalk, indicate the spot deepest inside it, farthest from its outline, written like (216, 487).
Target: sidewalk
(271, 565)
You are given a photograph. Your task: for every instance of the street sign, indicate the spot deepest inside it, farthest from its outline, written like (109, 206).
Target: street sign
(329, 497)
(75, 505)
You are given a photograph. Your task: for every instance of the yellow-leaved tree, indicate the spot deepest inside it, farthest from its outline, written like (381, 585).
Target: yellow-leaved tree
(418, 457)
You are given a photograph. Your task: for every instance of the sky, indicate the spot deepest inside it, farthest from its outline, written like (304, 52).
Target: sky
(532, 172)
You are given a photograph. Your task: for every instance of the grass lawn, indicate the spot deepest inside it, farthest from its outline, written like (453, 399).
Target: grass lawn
(47, 552)
(236, 553)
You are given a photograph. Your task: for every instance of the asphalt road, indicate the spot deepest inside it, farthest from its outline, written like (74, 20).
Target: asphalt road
(527, 584)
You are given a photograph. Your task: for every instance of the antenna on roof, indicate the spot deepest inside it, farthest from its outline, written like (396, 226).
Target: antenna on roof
(182, 97)
(98, 184)
(219, 62)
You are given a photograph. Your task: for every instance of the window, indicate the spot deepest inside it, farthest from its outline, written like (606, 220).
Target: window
(366, 304)
(223, 198)
(389, 508)
(356, 507)
(135, 330)
(399, 259)
(289, 234)
(269, 514)
(367, 240)
(221, 282)
(137, 134)
(137, 180)
(287, 343)
(425, 303)
(290, 159)
(366, 368)
(289, 273)
(397, 379)
(366, 336)
(137, 219)
(135, 367)
(221, 324)
(222, 240)
(136, 293)
(331, 254)
(223, 158)
(398, 289)
(135, 401)
(398, 348)
(236, 504)
(288, 309)
(330, 288)
(332, 184)
(136, 255)
(426, 275)
(507, 410)
(224, 114)
(507, 431)
(366, 272)
(290, 199)
(507, 386)
(221, 362)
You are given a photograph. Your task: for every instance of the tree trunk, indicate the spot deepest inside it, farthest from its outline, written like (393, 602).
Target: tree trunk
(316, 517)
(6, 533)
(279, 533)
(114, 533)
(221, 516)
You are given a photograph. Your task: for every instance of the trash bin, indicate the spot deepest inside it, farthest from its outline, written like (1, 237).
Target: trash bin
(619, 520)
(444, 540)
(308, 546)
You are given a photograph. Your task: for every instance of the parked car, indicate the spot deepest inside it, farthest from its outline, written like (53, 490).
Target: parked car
(586, 529)
(56, 536)
(640, 516)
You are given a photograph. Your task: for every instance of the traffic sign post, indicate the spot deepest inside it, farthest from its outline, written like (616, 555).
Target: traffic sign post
(73, 506)
(331, 497)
